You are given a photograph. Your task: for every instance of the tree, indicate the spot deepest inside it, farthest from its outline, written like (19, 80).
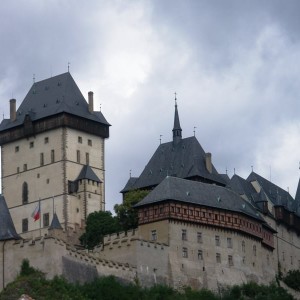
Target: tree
(98, 225)
(127, 215)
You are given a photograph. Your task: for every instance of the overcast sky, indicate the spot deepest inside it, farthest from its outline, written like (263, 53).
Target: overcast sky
(233, 64)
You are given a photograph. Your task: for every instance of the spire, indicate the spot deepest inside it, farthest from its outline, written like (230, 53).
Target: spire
(55, 224)
(176, 129)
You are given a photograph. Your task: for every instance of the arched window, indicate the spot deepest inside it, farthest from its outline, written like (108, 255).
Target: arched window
(25, 193)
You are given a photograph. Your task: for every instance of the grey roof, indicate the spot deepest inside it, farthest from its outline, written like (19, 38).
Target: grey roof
(7, 227)
(88, 173)
(297, 196)
(178, 189)
(186, 159)
(277, 195)
(55, 224)
(130, 184)
(55, 95)
(242, 187)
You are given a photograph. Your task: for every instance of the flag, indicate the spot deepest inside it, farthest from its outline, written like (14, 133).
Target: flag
(36, 213)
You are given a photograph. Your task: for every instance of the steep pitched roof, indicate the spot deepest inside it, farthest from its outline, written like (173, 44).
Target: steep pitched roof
(52, 96)
(178, 189)
(7, 228)
(186, 159)
(87, 173)
(55, 224)
(242, 187)
(297, 196)
(277, 195)
(130, 184)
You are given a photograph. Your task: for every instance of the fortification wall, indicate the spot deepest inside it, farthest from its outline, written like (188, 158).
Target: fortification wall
(55, 257)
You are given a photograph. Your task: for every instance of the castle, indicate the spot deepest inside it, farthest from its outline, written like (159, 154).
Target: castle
(196, 227)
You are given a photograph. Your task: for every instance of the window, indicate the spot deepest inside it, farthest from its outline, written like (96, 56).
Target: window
(31, 144)
(80, 139)
(25, 225)
(244, 259)
(254, 250)
(18, 169)
(17, 149)
(243, 247)
(78, 156)
(230, 260)
(161, 210)
(25, 167)
(229, 243)
(41, 159)
(46, 140)
(46, 219)
(218, 258)
(90, 142)
(52, 156)
(153, 235)
(25, 193)
(199, 237)
(200, 255)
(87, 158)
(184, 252)
(217, 238)
(184, 235)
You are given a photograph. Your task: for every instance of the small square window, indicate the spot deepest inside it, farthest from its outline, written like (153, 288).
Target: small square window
(153, 235)
(25, 167)
(46, 219)
(199, 237)
(48, 180)
(184, 252)
(31, 144)
(90, 143)
(18, 169)
(200, 255)
(17, 148)
(230, 260)
(217, 238)
(218, 258)
(25, 225)
(80, 139)
(46, 140)
(229, 242)
(41, 159)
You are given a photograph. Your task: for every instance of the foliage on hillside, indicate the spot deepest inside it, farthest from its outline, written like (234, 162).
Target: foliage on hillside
(126, 214)
(33, 283)
(98, 225)
(292, 279)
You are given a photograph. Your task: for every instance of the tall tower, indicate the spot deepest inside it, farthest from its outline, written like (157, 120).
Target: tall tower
(52, 155)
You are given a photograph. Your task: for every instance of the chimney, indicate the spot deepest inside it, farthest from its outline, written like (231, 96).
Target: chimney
(13, 113)
(91, 101)
(208, 162)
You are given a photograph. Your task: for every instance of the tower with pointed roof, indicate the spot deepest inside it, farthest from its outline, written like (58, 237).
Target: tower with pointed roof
(52, 150)
(182, 157)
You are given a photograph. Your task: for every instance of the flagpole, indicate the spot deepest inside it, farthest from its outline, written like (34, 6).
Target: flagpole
(40, 218)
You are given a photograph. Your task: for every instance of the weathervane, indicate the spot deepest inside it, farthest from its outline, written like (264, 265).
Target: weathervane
(175, 98)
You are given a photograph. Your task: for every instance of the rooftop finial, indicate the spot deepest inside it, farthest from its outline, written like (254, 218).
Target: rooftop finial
(175, 98)
(130, 173)
(195, 130)
(252, 168)
(69, 66)
(33, 78)
(160, 138)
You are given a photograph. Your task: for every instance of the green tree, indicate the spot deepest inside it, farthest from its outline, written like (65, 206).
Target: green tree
(127, 215)
(98, 225)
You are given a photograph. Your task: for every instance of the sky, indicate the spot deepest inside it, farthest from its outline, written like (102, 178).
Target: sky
(232, 63)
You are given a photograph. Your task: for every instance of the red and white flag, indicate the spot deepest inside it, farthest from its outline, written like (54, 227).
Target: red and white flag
(36, 213)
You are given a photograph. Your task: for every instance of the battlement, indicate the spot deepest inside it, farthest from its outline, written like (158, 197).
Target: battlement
(120, 235)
